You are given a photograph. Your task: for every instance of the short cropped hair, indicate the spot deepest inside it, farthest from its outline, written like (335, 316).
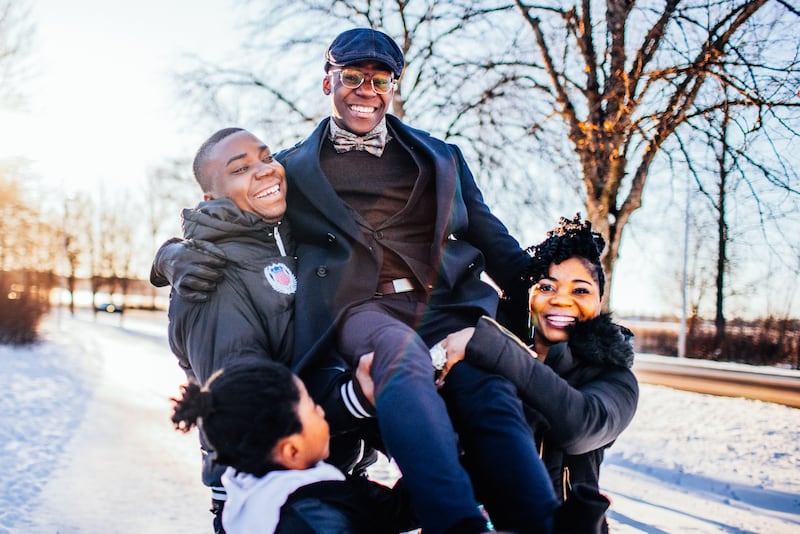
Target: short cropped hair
(202, 155)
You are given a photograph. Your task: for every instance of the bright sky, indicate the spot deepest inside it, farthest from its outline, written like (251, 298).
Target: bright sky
(101, 107)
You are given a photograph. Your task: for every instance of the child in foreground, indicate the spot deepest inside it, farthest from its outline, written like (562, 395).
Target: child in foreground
(265, 427)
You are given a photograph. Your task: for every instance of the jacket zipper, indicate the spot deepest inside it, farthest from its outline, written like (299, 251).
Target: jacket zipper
(566, 483)
(278, 241)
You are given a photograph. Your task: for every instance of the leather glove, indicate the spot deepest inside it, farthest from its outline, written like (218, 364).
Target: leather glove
(193, 268)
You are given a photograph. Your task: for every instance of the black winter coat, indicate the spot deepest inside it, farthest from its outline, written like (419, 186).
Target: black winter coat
(251, 314)
(579, 400)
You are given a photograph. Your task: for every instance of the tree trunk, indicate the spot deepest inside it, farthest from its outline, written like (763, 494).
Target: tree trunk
(722, 234)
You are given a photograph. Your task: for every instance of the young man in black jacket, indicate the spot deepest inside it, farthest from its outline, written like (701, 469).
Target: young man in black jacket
(251, 315)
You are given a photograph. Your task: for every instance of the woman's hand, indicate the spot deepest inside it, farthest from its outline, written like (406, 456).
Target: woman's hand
(455, 345)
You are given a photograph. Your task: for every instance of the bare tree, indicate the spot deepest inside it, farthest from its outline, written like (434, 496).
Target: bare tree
(27, 245)
(169, 188)
(16, 32)
(76, 229)
(594, 94)
(23, 230)
(621, 79)
(275, 80)
(117, 243)
(740, 168)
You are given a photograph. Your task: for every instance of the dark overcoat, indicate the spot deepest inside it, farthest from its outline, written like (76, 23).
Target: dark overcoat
(339, 264)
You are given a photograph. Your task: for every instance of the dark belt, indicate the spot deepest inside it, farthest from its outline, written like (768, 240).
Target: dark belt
(400, 285)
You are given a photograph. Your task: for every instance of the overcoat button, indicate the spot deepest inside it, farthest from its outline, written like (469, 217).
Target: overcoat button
(322, 271)
(379, 234)
(331, 238)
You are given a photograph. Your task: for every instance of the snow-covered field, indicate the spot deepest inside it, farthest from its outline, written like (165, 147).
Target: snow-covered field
(86, 446)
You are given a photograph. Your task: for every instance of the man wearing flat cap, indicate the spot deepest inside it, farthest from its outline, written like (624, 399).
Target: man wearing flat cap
(392, 237)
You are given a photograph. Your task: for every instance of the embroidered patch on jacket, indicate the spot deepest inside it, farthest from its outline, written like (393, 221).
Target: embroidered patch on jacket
(281, 278)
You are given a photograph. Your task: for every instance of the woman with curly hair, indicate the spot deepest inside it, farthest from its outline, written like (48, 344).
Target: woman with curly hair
(576, 382)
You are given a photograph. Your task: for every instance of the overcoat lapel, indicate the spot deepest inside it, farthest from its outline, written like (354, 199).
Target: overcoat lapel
(308, 179)
(448, 212)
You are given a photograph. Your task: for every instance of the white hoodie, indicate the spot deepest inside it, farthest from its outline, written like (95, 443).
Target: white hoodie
(254, 504)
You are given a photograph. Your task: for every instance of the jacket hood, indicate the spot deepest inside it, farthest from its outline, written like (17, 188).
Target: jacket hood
(221, 219)
(600, 341)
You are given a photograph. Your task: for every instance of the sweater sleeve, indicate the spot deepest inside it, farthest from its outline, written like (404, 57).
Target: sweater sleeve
(581, 418)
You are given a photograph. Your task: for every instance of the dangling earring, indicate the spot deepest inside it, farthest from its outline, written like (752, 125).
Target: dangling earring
(531, 329)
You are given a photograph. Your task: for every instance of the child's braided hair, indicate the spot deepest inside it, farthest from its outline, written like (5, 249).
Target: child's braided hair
(569, 239)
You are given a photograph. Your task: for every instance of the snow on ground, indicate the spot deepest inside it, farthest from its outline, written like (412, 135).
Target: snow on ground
(698, 463)
(86, 446)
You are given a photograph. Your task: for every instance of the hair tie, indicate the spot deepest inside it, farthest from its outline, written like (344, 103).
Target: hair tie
(205, 403)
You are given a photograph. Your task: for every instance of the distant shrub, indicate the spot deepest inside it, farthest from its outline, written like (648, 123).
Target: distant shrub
(767, 341)
(22, 308)
(655, 341)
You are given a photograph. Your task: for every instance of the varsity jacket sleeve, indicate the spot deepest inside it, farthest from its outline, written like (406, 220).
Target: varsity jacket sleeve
(337, 391)
(582, 418)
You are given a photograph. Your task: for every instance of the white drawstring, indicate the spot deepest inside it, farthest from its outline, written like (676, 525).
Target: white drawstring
(279, 241)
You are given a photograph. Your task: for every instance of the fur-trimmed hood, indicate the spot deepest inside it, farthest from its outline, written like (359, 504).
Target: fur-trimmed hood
(601, 342)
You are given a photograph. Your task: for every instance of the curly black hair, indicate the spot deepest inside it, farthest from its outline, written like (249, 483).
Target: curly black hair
(243, 411)
(569, 239)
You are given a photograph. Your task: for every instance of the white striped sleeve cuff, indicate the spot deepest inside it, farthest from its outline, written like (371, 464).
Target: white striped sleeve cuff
(352, 402)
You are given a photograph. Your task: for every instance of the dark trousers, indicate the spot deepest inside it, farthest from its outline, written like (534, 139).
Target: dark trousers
(499, 451)
(417, 431)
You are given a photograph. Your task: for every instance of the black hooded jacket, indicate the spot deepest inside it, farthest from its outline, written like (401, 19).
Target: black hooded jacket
(579, 400)
(251, 314)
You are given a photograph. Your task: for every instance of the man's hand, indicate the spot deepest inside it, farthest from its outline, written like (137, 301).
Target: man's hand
(455, 345)
(193, 269)
(363, 377)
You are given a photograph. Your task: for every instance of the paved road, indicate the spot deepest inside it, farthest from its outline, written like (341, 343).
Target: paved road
(780, 386)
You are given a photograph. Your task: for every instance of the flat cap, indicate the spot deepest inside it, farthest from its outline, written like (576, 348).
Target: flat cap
(364, 44)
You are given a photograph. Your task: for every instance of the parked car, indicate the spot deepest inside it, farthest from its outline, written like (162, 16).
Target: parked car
(109, 307)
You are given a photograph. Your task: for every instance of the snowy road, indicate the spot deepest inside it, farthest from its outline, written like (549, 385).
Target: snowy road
(86, 446)
(92, 448)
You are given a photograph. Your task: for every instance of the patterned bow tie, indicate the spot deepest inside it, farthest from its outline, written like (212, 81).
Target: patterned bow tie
(373, 142)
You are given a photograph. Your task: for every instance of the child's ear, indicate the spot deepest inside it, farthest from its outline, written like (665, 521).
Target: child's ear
(287, 453)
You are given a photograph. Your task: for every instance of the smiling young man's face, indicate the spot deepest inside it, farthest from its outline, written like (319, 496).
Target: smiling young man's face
(241, 167)
(358, 110)
(568, 293)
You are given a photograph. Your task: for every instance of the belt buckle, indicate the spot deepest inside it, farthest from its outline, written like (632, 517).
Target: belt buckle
(402, 285)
